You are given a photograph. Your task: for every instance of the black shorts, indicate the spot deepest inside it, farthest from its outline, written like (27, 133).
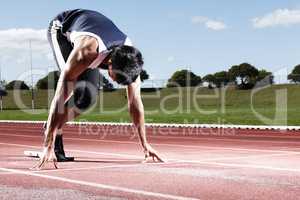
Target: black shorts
(88, 83)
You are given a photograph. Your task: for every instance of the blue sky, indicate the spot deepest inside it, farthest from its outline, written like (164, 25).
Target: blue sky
(204, 36)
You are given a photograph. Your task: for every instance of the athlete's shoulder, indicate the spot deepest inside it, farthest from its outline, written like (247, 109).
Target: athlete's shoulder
(74, 13)
(81, 11)
(62, 16)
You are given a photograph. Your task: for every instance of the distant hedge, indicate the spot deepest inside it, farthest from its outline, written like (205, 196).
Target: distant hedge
(17, 85)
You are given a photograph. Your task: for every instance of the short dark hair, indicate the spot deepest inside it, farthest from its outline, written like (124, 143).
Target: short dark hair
(127, 63)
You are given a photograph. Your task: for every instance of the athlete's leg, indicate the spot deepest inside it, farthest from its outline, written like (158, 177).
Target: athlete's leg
(84, 95)
(61, 50)
(84, 89)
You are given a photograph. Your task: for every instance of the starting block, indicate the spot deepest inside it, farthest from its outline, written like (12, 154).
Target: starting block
(35, 154)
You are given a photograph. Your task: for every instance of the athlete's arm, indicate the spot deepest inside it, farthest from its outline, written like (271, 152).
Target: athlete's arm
(136, 110)
(83, 54)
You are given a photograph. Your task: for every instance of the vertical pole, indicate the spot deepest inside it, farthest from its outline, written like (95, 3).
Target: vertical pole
(0, 74)
(188, 90)
(32, 92)
(1, 105)
(2, 86)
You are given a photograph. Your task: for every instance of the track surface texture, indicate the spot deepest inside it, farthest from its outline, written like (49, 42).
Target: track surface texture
(201, 163)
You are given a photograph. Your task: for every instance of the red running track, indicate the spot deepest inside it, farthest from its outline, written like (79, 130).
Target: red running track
(201, 164)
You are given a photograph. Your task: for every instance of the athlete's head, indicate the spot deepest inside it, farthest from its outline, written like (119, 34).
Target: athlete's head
(126, 64)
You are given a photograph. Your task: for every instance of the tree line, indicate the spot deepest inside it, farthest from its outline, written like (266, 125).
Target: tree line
(243, 76)
(51, 79)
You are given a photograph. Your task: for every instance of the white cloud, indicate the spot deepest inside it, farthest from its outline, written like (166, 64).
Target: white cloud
(14, 43)
(215, 25)
(15, 51)
(209, 23)
(280, 17)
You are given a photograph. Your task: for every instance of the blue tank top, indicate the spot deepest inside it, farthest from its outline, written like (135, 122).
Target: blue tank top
(87, 22)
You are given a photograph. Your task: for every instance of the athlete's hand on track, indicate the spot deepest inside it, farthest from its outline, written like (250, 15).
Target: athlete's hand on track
(151, 153)
(48, 155)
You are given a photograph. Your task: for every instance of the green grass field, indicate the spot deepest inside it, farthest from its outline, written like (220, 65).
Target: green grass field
(276, 105)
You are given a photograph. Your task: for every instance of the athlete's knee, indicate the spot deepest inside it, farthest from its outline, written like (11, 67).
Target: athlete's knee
(85, 96)
(83, 100)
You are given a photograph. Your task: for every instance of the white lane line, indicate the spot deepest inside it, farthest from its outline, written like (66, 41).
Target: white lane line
(251, 166)
(101, 186)
(78, 151)
(204, 161)
(31, 130)
(164, 144)
(187, 146)
(169, 162)
(107, 167)
(238, 158)
(78, 169)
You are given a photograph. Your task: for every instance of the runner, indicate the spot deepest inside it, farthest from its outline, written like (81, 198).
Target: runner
(84, 41)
